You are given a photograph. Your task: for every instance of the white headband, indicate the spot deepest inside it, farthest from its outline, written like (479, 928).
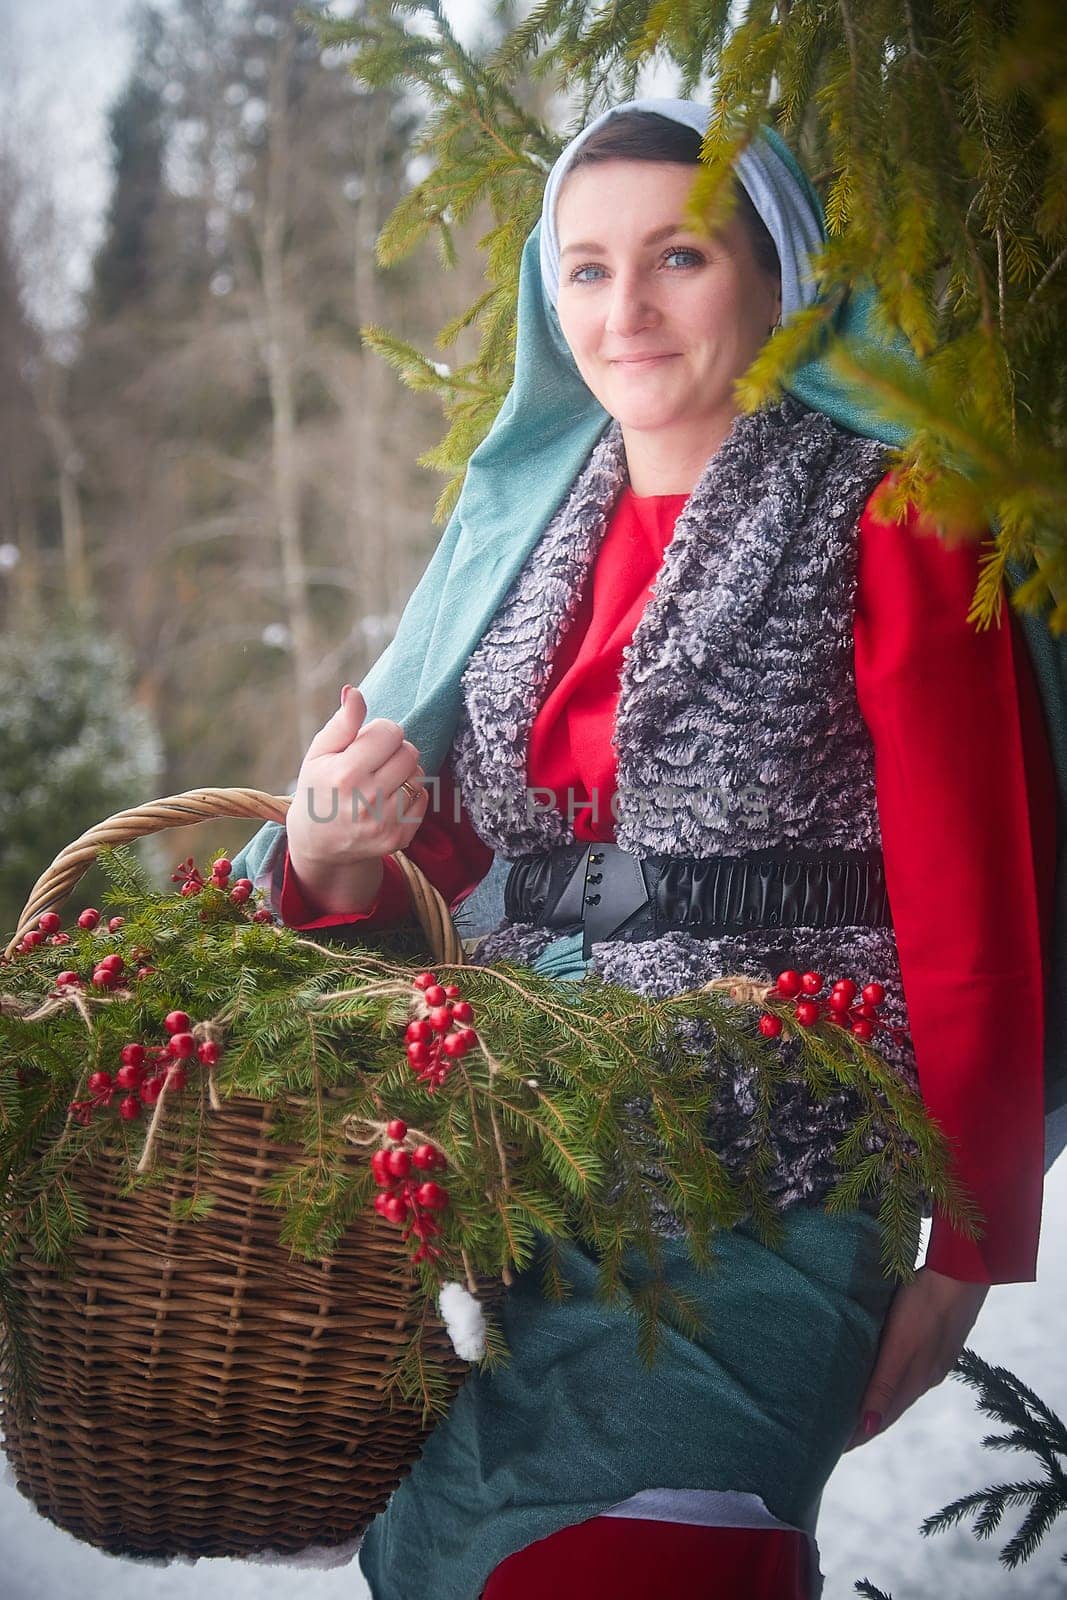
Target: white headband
(788, 214)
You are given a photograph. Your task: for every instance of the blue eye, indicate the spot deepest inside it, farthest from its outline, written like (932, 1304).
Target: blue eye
(681, 250)
(695, 259)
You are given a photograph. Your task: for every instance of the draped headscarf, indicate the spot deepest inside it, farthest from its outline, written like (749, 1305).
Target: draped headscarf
(549, 422)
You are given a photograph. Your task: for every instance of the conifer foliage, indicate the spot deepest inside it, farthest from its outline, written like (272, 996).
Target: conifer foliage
(936, 136)
(557, 1121)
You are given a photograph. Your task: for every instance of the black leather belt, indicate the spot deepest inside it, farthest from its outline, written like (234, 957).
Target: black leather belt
(612, 894)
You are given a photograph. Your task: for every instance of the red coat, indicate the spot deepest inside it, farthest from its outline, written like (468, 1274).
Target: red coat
(967, 807)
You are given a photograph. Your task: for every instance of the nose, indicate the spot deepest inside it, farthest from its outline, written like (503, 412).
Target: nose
(631, 307)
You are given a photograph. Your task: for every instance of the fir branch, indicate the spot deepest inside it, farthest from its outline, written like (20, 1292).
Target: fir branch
(1034, 1427)
(589, 1125)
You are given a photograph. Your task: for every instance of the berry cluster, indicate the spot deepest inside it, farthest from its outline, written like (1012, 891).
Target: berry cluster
(146, 1069)
(188, 875)
(839, 1006)
(49, 928)
(433, 1041)
(400, 1194)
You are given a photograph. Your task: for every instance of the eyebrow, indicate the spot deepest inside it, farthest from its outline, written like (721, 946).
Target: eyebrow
(586, 247)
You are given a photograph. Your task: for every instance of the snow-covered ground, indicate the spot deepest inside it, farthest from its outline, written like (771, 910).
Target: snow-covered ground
(871, 1511)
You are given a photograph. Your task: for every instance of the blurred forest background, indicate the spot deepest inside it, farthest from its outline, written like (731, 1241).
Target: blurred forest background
(211, 511)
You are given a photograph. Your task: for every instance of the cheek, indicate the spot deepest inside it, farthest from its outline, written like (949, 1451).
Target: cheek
(576, 324)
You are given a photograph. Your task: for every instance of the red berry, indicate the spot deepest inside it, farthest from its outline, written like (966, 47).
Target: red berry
(846, 987)
(151, 1088)
(60, 938)
(423, 980)
(435, 995)
(873, 993)
(209, 1052)
(381, 1200)
(463, 1011)
(788, 983)
(418, 1032)
(133, 1055)
(432, 1195)
(142, 972)
(452, 991)
(99, 1082)
(455, 1044)
(418, 1053)
(67, 979)
(262, 915)
(176, 1078)
(469, 1037)
(867, 1010)
(114, 961)
(244, 883)
(177, 1022)
(89, 917)
(49, 922)
(863, 1029)
(182, 1046)
(129, 1107)
(770, 1026)
(395, 1208)
(398, 1163)
(379, 1165)
(840, 1000)
(106, 977)
(129, 1077)
(222, 867)
(115, 923)
(238, 894)
(31, 940)
(425, 1157)
(811, 982)
(440, 1019)
(397, 1130)
(807, 1012)
(190, 888)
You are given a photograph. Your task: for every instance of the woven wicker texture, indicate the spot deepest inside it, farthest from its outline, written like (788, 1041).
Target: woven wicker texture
(207, 805)
(199, 1392)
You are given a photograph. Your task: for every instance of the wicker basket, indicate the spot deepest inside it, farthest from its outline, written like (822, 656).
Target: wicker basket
(200, 1392)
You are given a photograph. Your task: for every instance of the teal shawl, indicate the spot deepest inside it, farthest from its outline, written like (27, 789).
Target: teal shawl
(545, 429)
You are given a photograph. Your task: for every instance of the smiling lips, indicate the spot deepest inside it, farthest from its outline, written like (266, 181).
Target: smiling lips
(641, 361)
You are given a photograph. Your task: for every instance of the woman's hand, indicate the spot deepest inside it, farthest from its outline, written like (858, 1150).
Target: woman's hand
(349, 810)
(926, 1328)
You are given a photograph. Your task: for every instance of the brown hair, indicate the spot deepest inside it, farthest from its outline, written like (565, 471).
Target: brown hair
(646, 136)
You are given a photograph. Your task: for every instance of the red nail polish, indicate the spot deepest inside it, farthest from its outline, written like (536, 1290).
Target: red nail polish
(872, 1421)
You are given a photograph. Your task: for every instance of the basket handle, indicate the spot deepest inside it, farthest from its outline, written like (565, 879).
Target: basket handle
(207, 805)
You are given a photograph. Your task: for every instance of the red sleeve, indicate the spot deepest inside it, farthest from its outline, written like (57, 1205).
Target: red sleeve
(446, 848)
(967, 807)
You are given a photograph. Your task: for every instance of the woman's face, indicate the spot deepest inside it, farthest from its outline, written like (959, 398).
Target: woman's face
(660, 320)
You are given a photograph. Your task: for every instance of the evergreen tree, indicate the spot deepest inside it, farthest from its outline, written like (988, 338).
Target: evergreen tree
(122, 270)
(73, 747)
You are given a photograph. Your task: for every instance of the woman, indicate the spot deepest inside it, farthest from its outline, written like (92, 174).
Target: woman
(713, 650)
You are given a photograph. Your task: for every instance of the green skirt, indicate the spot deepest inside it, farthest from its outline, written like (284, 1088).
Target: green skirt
(762, 1403)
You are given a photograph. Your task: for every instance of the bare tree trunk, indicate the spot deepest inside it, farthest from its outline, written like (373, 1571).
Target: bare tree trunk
(278, 354)
(68, 462)
(374, 549)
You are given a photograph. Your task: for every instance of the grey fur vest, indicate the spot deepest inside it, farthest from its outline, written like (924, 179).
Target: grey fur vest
(737, 703)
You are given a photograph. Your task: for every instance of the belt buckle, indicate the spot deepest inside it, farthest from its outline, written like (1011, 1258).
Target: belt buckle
(605, 889)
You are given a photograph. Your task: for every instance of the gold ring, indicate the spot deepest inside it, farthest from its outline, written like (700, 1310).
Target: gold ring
(412, 794)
